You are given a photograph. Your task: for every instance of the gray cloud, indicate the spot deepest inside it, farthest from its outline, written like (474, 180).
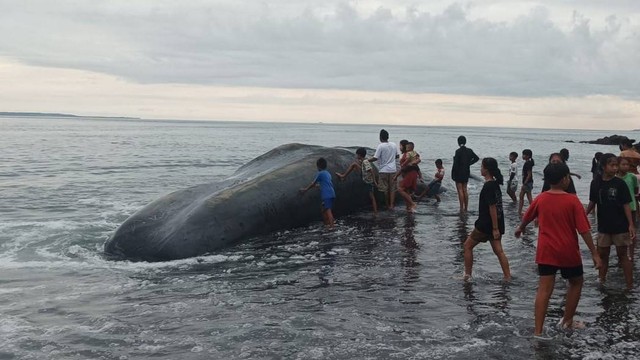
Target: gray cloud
(296, 44)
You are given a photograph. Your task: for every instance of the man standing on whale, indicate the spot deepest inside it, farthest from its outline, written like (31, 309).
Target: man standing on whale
(386, 154)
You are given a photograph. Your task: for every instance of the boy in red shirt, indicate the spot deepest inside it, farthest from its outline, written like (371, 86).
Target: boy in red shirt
(559, 215)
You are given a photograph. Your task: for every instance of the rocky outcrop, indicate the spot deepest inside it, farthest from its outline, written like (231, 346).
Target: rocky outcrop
(610, 140)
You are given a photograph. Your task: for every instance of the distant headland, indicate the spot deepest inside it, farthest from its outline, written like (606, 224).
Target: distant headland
(59, 115)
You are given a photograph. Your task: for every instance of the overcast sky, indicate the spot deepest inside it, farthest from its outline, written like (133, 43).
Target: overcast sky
(547, 63)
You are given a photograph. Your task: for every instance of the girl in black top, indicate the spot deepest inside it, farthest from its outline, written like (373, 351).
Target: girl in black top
(557, 158)
(462, 160)
(490, 223)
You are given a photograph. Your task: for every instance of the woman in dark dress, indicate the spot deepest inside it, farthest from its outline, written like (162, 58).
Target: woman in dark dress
(462, 160)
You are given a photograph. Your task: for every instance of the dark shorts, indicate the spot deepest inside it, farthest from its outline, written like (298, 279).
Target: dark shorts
(433, 188)
(528, 187)
(478, 236)
(327, 204)
(566, 272)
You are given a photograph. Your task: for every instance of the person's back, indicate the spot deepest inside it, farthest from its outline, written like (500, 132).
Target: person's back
(323, 178)
(386, 156)
(559, 215)
(463, 159)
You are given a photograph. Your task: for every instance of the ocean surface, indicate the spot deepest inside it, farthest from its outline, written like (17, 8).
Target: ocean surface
(386, 287)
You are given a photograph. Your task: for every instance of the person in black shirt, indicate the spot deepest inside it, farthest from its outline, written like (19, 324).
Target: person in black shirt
(462, 160)
(527, 179)
(490, 223)
(557, 158)
(615, 226)
(595, 165)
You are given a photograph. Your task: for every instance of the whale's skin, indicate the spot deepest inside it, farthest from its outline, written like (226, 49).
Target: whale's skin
(260, 197)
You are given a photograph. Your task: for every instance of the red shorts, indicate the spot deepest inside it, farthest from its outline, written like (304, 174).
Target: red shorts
(409, 181)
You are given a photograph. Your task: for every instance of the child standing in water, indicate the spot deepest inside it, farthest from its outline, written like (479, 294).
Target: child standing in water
(433, 188)
(512, 183)
(632, 183)
(490, 223)
(527, 178)
(560, 215)
(368, 176)
(615, 226)
(327, 194)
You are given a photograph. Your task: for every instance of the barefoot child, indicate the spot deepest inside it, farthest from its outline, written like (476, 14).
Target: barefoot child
(327, 194)
(364, 166)
(527, 178)
(433, 188)
(560, 215)
(490, 223)
(632, 183)
(512, 183)
(615, 226)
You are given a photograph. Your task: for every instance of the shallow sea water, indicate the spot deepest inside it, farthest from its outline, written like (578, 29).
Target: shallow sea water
(380, 287)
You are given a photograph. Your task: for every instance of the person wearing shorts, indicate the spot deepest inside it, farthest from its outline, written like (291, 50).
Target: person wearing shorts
(490, 224)
(615, 226)
(560, 217)
(386, 154)
(327, 193)
(527, 179)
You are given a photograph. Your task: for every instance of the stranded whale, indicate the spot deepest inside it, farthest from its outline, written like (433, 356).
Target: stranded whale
(260, 197)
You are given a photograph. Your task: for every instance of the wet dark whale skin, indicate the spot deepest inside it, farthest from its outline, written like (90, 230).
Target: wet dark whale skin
(260, 197)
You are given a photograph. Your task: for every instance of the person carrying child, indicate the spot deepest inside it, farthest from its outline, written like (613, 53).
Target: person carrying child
(490, 223)
(433, 188)
(615, 226)
(327, 193)
(408, 168)
(559, 215)
(368, 176)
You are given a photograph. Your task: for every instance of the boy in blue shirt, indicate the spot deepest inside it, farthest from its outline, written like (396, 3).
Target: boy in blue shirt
(327, 194)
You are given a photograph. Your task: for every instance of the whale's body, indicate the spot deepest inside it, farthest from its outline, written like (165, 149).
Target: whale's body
(260, 197)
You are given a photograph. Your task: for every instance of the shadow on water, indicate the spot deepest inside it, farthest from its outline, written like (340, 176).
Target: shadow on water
(460, 233)
(410, 248)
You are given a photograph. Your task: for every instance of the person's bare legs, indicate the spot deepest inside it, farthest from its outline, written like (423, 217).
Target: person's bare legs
(529, 197)
(407, 199)
(627, 266)
(604, 257)
(545, 289)
(460, 188)
(521, 202)
(466, 197)
(374, 204)
(496, 245)
(392, 193)
(327, 216)
(469, 244)
(511, 193)
(573, 297)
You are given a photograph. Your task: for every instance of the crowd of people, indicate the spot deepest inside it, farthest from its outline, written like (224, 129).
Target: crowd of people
(557, 211)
